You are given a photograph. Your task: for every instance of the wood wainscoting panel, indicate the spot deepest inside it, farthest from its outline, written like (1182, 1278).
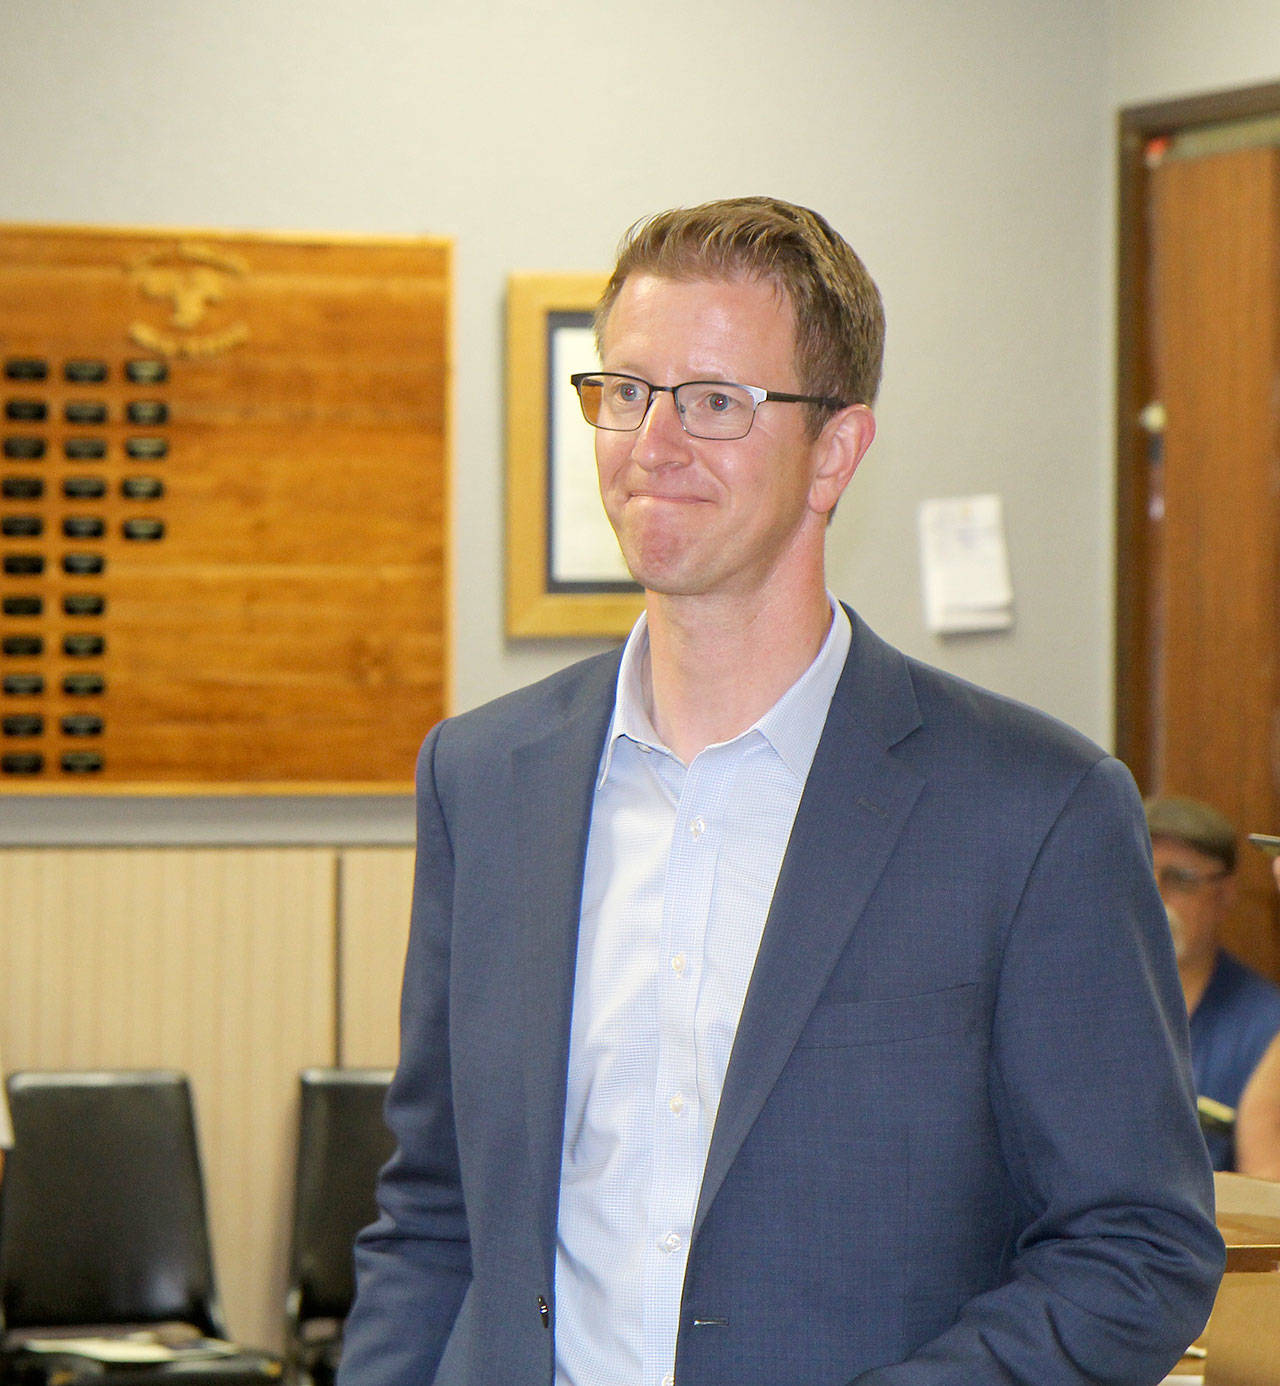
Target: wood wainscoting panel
(374, 898)
(218, 961)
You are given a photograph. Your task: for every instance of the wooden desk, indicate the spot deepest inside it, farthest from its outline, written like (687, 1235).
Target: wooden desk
(1253, 1242)
(1242, 1340)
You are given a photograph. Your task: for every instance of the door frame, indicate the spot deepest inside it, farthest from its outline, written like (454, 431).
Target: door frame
(1136, 126)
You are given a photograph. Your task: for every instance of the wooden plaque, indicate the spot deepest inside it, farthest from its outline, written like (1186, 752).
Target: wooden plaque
(224, 509)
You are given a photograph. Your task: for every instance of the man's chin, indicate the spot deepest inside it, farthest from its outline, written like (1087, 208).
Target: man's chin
(662, 569)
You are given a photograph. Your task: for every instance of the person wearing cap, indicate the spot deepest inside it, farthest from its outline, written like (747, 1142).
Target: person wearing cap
(1234, 1011)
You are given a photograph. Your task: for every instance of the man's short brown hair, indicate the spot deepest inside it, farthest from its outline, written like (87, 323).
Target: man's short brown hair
(1194, 824)
(838, 314)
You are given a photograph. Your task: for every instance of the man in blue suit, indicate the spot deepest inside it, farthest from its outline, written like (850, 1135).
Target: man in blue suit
(778, 1010)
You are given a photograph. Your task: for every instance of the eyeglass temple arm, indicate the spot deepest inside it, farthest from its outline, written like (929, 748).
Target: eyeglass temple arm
(781, 397)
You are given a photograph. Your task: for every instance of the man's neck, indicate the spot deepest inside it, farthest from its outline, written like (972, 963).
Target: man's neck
(714, 669)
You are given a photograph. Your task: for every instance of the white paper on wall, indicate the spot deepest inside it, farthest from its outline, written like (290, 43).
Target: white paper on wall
(965, 565)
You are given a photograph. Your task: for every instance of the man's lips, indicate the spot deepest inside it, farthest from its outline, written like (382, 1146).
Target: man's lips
(672, 497)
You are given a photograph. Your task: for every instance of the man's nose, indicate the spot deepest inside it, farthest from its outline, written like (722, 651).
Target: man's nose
(661, 440)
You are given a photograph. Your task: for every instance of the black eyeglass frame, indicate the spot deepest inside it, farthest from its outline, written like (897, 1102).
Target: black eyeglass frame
(758, 394)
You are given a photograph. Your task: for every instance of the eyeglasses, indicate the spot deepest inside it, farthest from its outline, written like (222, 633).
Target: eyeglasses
(706, 408)
(1182, 879)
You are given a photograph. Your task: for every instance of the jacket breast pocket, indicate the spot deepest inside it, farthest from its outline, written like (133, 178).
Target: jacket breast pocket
(892, 1020)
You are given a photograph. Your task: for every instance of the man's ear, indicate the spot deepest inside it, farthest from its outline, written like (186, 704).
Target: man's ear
(841, 445)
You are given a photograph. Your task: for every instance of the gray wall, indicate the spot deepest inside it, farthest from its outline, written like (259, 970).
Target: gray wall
(963, 146)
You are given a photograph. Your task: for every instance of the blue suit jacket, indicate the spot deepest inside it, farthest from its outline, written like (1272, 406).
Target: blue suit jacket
(956, 1142)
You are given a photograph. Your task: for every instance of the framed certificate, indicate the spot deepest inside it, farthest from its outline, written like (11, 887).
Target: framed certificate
(565, 573)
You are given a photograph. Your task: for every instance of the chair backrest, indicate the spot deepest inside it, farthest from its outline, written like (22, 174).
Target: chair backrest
(343, 1142)
(102, 1208)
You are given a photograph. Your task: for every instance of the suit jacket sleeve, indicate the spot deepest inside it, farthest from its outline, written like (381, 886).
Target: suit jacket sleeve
(413, 1265)
(1116, 1269)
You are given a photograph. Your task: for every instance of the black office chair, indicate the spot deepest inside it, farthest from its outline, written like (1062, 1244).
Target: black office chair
(342, 1143)
(103, 1234)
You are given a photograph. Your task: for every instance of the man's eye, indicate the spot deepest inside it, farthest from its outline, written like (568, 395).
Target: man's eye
(718, 402)
(626, 392)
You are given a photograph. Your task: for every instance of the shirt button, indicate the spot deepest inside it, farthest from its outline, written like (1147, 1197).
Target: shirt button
(671, 1242)
(677, 1103)
(678, 964)
(697, 828)
(668, 1380)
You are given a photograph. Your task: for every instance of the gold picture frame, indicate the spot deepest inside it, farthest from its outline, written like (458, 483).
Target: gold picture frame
(565, 576)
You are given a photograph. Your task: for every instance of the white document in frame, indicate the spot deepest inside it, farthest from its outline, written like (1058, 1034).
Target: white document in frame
(584, 547)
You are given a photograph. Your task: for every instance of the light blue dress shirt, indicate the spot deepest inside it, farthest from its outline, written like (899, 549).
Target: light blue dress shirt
(680, 872)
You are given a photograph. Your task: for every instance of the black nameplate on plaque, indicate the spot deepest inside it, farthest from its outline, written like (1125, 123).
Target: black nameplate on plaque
(84, 487)
(82, 724)
(24, 724)
(83, 564)
(24, 449)
(147, 449)
(23, 646)
(84, 646)
(83, 685)
(26, 368)
(24, 685)
(146, 372)
(24, 564)
(85, 449)
(86, 372)
(84, 604)
(22, 763)
(22, 487)
(142, 488)
(81, 762)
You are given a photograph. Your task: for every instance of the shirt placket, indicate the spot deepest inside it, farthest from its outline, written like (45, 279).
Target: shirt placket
(679, 1133)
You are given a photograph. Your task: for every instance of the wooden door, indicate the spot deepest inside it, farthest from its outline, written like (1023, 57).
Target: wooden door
(1212, 641)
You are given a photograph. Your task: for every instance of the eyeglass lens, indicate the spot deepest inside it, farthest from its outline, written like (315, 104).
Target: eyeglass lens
(707, 409)
(1181, 878)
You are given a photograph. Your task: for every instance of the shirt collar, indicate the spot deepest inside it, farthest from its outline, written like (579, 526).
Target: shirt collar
(792, 726)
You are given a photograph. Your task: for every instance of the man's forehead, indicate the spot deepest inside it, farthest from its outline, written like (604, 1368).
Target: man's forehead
(705, 304)
(640, 281)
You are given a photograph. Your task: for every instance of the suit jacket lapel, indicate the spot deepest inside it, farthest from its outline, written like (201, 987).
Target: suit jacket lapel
(553, 780)
(855, 804)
